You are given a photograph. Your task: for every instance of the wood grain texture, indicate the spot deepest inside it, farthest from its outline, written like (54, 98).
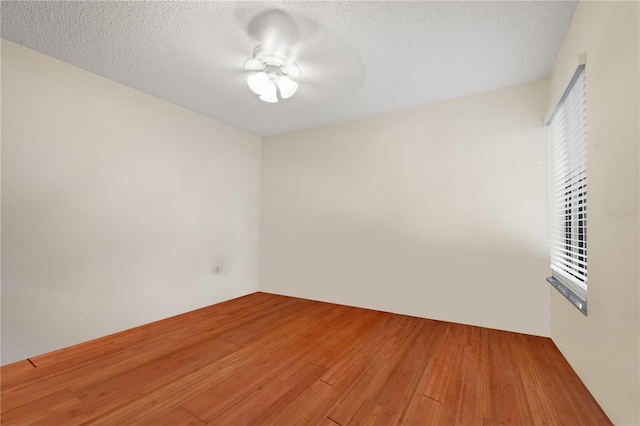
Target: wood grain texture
(275, 360)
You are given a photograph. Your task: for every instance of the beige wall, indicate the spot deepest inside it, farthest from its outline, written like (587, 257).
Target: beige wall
(115, 207)
(603, 348)
(437, 212)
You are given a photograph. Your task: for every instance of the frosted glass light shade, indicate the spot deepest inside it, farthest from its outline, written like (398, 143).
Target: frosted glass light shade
(287, 87)
(258, 82)
(269, 94)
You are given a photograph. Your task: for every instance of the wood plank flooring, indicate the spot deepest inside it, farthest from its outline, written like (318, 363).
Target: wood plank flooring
(265, 359)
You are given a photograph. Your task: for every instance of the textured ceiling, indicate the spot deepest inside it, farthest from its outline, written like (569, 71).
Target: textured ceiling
(357, 58)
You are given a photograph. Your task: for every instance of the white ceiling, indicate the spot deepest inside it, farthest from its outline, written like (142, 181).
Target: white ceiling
(357, 58)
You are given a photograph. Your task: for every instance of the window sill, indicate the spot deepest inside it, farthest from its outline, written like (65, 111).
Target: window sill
(570, 294)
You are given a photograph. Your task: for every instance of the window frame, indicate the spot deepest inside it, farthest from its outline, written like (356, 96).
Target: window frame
(568, 202)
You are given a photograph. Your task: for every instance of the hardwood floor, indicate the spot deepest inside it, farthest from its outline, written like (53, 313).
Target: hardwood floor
(274, 360)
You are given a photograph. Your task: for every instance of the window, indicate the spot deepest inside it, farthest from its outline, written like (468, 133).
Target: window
(567, 151)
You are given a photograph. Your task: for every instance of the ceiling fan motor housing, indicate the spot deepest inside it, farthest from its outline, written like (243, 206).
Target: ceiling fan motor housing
(276, 61)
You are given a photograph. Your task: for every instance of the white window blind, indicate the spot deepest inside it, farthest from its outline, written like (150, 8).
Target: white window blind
(566, 134)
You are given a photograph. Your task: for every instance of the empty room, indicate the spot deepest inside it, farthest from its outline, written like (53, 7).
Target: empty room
(320, 213)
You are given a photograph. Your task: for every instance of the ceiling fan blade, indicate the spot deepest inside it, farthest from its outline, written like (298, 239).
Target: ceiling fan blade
(274, 26)
(253, 65)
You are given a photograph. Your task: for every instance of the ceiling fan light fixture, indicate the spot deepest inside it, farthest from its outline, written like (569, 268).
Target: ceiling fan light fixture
(275, 73)
(258, 82)
(269, 94)
(287, 86)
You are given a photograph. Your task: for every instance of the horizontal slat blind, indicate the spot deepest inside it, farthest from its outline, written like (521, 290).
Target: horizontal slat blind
(566, 132)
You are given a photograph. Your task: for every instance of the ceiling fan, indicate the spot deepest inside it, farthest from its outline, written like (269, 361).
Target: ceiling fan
(275, 73)
(293, 50)
(273, 70)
